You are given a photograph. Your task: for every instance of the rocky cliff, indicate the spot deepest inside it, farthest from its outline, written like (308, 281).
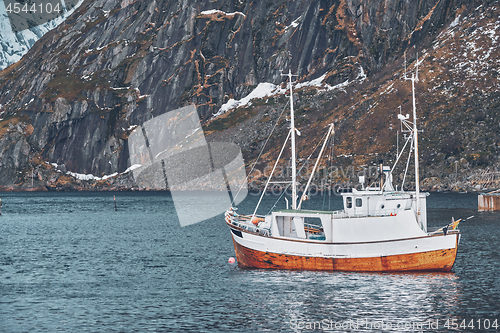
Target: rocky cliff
(69, 105)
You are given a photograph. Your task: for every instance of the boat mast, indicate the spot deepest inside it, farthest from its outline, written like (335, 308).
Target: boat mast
(292, 130)
(415, 135)
(414, 77)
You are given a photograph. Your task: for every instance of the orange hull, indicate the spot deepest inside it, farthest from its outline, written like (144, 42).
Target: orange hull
(440, 260)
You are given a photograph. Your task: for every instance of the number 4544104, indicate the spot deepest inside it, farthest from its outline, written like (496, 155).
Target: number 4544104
(472, 324)
(17, 8)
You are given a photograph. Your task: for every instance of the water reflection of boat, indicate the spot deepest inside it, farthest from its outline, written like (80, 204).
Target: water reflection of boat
(379, 229)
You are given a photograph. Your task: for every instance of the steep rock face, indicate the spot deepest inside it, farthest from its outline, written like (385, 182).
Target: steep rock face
(15, 152)
(114, 64)
(458, 110)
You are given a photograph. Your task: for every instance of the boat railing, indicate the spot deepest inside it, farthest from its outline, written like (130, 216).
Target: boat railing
(341, 214)
(244, 222)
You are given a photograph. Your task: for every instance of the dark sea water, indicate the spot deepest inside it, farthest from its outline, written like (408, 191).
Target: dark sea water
(69, 262)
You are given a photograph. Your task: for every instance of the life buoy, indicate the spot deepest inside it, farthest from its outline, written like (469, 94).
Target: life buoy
(255, 220)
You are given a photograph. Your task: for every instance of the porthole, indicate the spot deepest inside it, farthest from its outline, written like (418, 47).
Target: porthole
(382, 207)
(399, 205)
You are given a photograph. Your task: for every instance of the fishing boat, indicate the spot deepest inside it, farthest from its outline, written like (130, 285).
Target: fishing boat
(379, 229)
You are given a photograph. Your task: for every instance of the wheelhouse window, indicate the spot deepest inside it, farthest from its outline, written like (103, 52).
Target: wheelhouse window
(348, 202)
(359, 202)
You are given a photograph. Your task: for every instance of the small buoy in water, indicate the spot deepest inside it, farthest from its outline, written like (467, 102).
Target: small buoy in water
(231, 260)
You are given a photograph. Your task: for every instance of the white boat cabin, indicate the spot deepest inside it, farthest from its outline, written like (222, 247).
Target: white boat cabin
(384, 201)
(373, 202)
(356, 221)
(340, 226)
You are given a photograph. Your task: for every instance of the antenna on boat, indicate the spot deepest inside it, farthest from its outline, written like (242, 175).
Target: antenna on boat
(413, 79)
(417, 68)
(292, 132)
(397, 136)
